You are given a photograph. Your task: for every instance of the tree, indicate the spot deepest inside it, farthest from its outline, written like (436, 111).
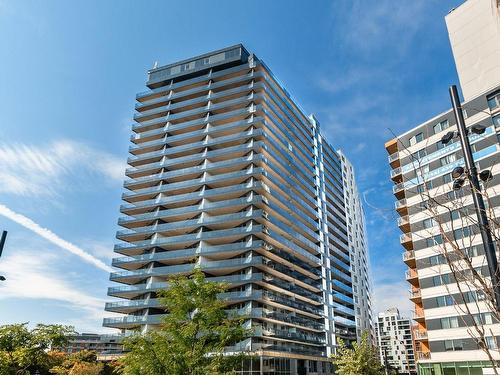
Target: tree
(80, 363)
(361, 359)
(193, 336)
(24, 351)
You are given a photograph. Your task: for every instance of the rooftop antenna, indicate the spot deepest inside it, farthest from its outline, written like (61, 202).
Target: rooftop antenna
(155, 65)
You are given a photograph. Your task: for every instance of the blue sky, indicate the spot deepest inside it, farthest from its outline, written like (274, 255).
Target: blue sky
(69, 72)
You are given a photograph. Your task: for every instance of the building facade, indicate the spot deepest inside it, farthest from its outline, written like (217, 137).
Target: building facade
(437, 220)
(358, 248)
(421, 170)
(474, 31)
(103, 345)
(228, 174)
(395, 343)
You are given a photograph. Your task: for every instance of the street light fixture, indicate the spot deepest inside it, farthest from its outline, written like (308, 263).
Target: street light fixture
(472, 175)
(458, 183)
(485, 175)
(447, 137)
(457, 172)
(478, 129)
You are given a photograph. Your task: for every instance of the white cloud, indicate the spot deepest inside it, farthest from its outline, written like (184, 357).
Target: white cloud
(384, 23)
(392, 295)
(39, 171)
(32, 275)
(52, 237)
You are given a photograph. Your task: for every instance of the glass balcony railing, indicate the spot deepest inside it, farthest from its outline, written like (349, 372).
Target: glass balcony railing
(342, 297)
(400, 203)
(344, 321)
(408, 255)
(200, 156)
(292, 288)
(405, 237)
(208, 220)
(142, 303)
(256, 185)
(193, 237)
(157, 271)
(132, 320)
(191, 183)
(393, 157)
(292, 303)
(288, 271)
(395, 172)
(304, 350)
(194, 170)
(343, 309)
(188, 253)
(289, 334)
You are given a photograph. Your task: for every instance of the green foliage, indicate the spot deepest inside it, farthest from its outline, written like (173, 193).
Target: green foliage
(24, 351)
(361, 359)
(84, 362)
(192, 337)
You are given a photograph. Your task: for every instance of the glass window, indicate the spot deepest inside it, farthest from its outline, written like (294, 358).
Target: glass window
(487, 318)
(447, 178)
(448, 345)
(438, 239)
(494, 101)
(491, 342)
(419, 154)
(453, 322)
(428, 223)
(455, 214)
(472, 251)
(436, 280)
(444, 301)
(448, 159)
(436, 259)
(416, 138)
(496, 121)
(441, 126)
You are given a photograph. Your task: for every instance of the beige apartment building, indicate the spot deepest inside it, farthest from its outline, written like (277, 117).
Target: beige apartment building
(421, 169)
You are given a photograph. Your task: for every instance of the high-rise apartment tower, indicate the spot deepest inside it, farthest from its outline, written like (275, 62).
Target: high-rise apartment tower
(446, 342)
(228, 174)
(394, 342)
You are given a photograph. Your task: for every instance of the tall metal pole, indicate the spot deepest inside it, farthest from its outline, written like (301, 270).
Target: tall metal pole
(482, 219)
(2, 241)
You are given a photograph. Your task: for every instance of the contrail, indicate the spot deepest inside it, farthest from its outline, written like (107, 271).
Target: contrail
(52, 237)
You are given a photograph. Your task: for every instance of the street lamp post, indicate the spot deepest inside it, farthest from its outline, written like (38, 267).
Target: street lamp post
(2, 243)
(479, 206)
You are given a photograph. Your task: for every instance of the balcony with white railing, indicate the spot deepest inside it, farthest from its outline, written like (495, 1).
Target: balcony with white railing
(418, 316)
(406, 240)
(421, 335)
(400, 204)
(409, 258)
(415, 295)
(393, 157)
(395, 173)
(411, 274)
(423, 355)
